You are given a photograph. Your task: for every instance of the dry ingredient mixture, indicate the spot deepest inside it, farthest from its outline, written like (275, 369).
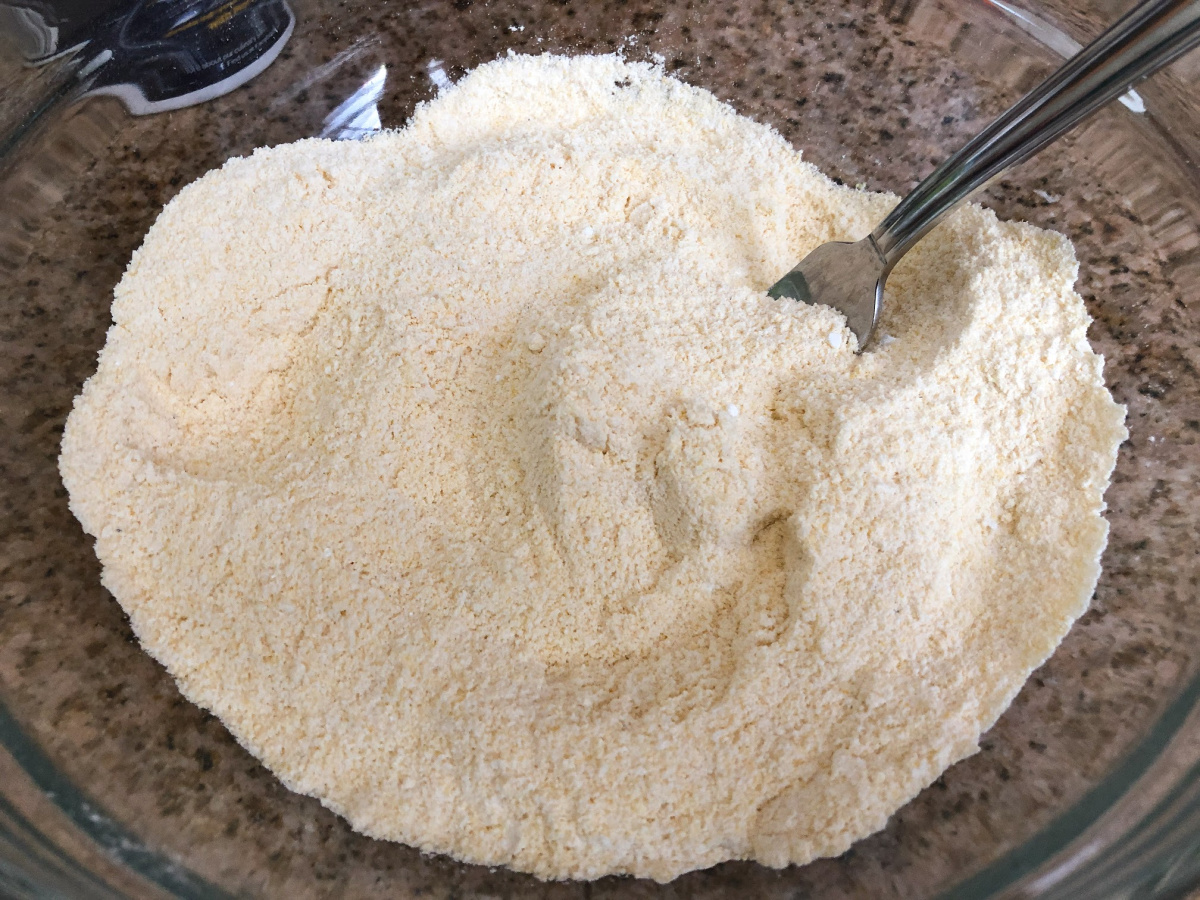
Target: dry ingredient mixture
(470, 476)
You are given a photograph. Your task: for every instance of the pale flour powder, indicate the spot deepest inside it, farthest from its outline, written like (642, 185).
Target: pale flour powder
(470, 476)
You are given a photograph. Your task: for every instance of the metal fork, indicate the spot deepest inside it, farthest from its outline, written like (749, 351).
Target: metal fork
(850, 277)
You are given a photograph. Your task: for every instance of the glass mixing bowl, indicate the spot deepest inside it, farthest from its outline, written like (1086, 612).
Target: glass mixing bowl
(111, 785)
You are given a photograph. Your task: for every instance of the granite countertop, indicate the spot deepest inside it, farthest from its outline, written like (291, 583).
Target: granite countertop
(874, 93)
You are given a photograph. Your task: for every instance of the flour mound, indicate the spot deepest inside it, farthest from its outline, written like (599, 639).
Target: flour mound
(470, 476)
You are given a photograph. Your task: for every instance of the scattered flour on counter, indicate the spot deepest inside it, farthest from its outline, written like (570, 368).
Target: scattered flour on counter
(470, 476)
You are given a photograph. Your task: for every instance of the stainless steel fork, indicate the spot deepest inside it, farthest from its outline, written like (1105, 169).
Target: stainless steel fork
(850, 277)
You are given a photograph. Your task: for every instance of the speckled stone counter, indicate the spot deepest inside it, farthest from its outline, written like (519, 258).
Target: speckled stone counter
(874, 93)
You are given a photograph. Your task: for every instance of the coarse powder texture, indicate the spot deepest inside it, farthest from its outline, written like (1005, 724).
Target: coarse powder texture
(468, 474)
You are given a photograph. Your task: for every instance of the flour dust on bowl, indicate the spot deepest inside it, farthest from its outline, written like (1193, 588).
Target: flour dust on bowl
(656, 430)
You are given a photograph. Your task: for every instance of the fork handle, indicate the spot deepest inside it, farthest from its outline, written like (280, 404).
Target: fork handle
(1139, 44)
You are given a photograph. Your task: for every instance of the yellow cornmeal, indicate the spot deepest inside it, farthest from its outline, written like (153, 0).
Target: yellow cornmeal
(470, 476)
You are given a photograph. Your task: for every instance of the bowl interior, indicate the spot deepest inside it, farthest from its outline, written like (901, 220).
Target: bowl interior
(874, 93)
